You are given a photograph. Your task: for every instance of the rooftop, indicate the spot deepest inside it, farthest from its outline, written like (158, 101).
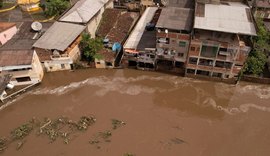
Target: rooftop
(25, 37)
(176, 18)
(137, 33)
(16, 57)
(59, 36)
(6, 25)
(263, 3)
(107, 55)
(116, 24)
(83, 11)
(230, 17)
(181, 3)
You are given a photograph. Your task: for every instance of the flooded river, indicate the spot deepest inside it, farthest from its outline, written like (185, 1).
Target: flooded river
(165, 115)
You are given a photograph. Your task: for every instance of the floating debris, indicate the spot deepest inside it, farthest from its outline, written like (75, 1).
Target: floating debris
(178, 141)
(105, 135)
(3, 144)
(19, 145)
(117, 123)
(84, 122)
(93, 141)
(128, 154)
(22, 131)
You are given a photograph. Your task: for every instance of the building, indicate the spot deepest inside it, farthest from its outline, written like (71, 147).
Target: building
(29, 5)
(220, 42)
(23, 65)
(261, 8)
(88, 13)
(114, 28)
(105, 59)
(173, 38)
(140, 45)
(18, 58)
(58, 47)
(7, 31)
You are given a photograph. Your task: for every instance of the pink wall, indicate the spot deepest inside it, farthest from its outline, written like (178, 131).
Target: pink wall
(7, 34)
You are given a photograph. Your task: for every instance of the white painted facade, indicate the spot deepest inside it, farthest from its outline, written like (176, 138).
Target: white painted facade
(25, 74)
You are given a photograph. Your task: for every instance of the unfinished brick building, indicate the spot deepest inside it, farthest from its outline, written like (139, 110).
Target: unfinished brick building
(220, 42)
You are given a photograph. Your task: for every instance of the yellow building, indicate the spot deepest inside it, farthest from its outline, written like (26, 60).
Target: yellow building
(29, 5)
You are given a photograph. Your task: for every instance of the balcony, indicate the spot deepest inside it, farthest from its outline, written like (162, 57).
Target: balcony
(60, 57)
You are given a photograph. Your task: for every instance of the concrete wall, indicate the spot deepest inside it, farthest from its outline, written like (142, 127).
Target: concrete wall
(100, 63)
(35, 73)
(7, 35)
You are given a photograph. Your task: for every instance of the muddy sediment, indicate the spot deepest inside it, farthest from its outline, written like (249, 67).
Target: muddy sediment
(161, 115)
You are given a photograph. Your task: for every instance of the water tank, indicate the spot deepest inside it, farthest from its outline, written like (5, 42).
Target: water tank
(10, 86)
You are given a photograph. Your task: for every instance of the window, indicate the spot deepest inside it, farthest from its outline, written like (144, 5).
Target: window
(23, 79)
(209, 51)
(192, 48)
(164, 40)
(191, 71)
(205, 62)
(217, 74)
(180, 54)
(182, 44)
(193, 60)
(62, 66)
(203, 72)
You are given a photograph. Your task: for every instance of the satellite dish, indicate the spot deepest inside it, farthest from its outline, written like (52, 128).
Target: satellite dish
(36, 26)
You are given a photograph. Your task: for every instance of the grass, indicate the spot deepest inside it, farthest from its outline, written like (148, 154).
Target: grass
(7, 5)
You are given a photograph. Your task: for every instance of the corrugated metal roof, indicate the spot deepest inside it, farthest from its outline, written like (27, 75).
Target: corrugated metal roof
(233, 17)
(59, 36)
(135, 37)
(83, 11)
(176, 18)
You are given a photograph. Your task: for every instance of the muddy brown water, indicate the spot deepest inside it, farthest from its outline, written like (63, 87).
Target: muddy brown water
(165, 115)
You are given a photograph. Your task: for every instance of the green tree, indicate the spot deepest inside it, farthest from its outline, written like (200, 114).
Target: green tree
(90, 46)
(54, 7)
(1, 3)
(257, 58)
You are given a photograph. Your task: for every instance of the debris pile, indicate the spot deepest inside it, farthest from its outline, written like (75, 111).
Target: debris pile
(58, 128)
(117, 123)
(105, 136)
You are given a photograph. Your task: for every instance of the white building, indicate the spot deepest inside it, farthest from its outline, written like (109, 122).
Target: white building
(87, 12)
(60, 44)
(23, 65)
